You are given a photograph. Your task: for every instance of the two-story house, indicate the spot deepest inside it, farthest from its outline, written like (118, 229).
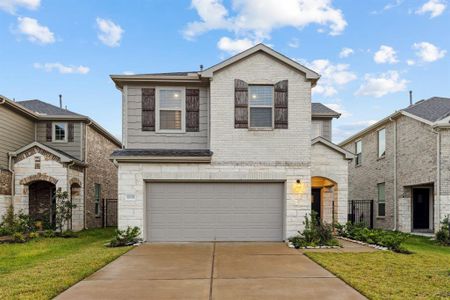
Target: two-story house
(226, 153)
(402, 162)
(43, 148)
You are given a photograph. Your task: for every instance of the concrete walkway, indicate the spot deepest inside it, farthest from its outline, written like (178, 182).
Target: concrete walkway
(212, 271)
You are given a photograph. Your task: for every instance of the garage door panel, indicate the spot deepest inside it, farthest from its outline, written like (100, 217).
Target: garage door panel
(214, 211)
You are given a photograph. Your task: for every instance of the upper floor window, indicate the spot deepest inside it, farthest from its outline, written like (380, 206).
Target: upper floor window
(381, 142)
(358, 151)
(170, 107)
(260, 106)
(59, 132)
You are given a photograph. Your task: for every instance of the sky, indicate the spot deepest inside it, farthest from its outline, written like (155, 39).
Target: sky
(370, 53)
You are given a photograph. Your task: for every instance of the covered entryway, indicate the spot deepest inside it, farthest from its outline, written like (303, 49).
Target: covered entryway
(42, 202)
(323, 198)
(208, 211)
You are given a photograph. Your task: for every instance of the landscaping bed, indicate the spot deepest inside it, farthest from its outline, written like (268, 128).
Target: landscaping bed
(425, 274)
(44, 267)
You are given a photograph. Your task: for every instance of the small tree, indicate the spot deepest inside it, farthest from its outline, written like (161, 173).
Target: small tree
(63, 211)
(443, 235)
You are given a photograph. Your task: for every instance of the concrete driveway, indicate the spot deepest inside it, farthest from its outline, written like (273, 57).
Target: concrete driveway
(212, 271)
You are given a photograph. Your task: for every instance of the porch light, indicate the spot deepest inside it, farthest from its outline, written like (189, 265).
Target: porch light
(298, 187)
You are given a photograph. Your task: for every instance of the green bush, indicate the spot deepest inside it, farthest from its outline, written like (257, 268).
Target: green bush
(316, 233)
(12, 223)
(49, 233)
(390, 239)
(127, 237)
(443, 235)
(19, 237)
(33, 235)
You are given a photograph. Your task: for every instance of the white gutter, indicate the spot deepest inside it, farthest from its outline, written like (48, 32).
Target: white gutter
(13, 178)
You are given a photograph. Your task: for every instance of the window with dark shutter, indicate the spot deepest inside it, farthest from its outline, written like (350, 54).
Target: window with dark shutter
(192, 110)
(71, 131)
(148, 109)
(49, 131)
(281, 104)
(240, 104)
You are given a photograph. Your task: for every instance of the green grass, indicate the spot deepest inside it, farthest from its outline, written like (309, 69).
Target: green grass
(43, 268)
(387, 275)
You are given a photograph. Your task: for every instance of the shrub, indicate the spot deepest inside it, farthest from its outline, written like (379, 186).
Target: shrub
(18, 237)
(49, 233)
(390, 239)
(63, 212)
(33, 235)
(443, 235)
(127, 237)
(316, 233)
(12, 223)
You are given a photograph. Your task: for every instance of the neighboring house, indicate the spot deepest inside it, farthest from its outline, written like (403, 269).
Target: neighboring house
(402, 162)
(226, 153)
(43, 148)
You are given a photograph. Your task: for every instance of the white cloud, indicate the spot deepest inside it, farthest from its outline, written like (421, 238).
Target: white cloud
(34, 31)
(346, 52)
(128, 73)
(382, 84)
(294, 43)
(340, 109)
(49, 67)
(385, 55)
(250, 19)
(234, 46)
(332, 76)
(109, 33)
(433, 7)
(428, 52)
(11, 6)
(410, 62)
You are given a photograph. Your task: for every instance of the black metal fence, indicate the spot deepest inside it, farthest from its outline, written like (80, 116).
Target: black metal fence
(361, 211)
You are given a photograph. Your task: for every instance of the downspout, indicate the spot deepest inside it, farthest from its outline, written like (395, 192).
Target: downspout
(437, 205)
(395, 174)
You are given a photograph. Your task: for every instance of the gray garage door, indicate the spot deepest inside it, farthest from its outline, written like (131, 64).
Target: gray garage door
(214, 211)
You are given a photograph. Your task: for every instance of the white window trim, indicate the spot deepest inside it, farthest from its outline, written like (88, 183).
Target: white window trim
(54, 132)
(262, 106)
(183, 110)
(378, 142)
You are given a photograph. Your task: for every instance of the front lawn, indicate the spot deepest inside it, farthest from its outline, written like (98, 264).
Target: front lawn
(387, 275)
(43, 268)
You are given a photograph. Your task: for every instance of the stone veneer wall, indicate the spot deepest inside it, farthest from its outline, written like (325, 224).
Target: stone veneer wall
(132, 187)
(444, 198)
(101, 171)
(52, 170)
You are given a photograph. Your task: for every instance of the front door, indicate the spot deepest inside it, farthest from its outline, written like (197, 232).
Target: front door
(316, 201)
(421, 208)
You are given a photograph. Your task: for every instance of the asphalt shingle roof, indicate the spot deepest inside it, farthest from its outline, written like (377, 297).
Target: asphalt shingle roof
(322, 110)
(44, 108)
(433, 109)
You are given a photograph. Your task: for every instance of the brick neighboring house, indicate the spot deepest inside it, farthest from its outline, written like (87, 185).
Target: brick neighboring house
(44, 147)
(233, 152)
(403, 163)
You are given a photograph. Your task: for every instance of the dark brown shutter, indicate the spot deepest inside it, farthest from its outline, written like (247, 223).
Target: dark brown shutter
(240, 104)
(192, 110)
(281, 104)
(71, 133)
(49, 131)
(148, 109)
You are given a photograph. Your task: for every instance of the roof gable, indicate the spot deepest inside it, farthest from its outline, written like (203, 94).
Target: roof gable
(331, 145)
(433, 109)
(320, 110)
(310, 74)
(44, 108)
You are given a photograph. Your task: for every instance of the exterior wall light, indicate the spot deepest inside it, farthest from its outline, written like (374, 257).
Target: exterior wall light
(298, 187)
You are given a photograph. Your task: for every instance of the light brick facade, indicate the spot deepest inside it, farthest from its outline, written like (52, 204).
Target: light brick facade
(243, 155)
(411, 160)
